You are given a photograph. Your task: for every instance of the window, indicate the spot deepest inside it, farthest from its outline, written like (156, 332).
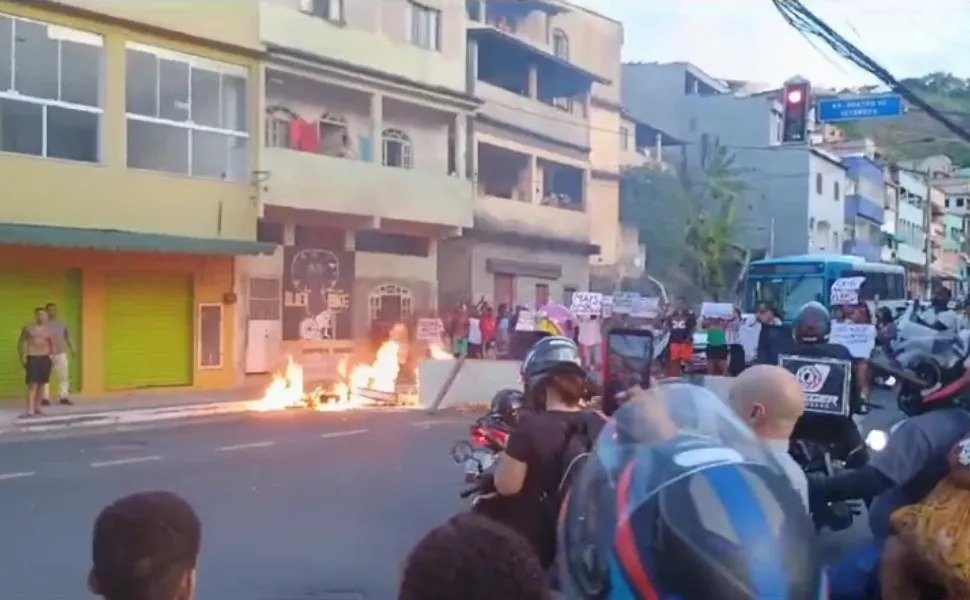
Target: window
(264, 299)
(567, 294)
(397, 149)
(835, 190)
(818, 183)
(210, 336)
(542, 294)
(331, 10)
(50, 90)
(334, 136)
(624, 138)
(425, 26)
(186, 115)
(278, 122)
(560, 44)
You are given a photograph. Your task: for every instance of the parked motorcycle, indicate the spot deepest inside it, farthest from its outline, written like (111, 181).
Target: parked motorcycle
(486, 438)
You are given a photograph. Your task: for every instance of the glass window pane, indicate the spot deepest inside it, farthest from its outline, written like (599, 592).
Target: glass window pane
(158, 147)
(141, 83)
(205, 97)
(238, 158)
(173, 90)
(21, 128)
(6, 38)
(36, 60)
(209, 154)
(234, 103)
(72, 134)
(80, 73)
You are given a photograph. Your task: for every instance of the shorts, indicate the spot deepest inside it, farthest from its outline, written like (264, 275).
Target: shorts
(38, 370)
(717, 352)
(681, 351)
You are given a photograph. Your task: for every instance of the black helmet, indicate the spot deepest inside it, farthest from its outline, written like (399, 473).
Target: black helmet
(812, 323)
(553, 355)
(506, 405)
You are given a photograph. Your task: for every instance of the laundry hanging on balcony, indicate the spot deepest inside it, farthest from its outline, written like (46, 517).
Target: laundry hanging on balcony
(304, 136)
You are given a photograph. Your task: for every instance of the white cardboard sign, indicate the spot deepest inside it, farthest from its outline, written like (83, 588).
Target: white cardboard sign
(860, 339)
(645, 308)
(587, 304)
(717, 310)
(845, 291)
(623, 302)
(607, 306)
(526, 321)
(430, 330)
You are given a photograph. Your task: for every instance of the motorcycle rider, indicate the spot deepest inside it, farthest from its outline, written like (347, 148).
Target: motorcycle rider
(811, 330)
(531, 466)
(680, 500)
(939, 316)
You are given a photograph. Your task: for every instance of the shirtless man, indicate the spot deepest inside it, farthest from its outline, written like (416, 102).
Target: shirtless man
(35, 346)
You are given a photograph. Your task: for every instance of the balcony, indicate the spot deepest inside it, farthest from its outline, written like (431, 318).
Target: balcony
(371, 48)
(860, 206)
(307, 181)
(910, 255)
(500, 214)
(520, 112)
(866, 250)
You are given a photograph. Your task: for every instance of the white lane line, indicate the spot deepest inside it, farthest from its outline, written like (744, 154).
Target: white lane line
(5, 476)
(339, 434)
(234, 447)
(124, 461)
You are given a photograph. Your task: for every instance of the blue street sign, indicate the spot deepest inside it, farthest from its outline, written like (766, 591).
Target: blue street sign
(859, 108)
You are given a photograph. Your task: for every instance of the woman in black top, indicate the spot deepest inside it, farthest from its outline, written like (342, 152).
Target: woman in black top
(532, 466)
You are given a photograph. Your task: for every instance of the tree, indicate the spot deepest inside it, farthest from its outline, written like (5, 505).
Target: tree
(688, 227)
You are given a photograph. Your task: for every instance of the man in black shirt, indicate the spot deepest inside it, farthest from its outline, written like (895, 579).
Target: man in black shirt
(680, 323)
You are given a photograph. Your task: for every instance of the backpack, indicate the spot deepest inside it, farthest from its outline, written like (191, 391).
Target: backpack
(576, 449)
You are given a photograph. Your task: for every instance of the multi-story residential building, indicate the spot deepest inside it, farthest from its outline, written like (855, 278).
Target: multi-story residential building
(938, 233)
(129, 143)
(363, 169)
(911, 229)
(890, 240)
(953, 257)
(864, 207)
(793, 202)
(535, 65)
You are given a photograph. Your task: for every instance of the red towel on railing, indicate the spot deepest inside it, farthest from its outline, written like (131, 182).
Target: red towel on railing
(304, 136)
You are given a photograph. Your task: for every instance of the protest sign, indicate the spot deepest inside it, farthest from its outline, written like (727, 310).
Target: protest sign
(717, 310)
(860, 339)
(607, 307)
(623, 302)
(845, 291)
(430, 330)
(587, 304)
(526, 321)
(645, 308)
(825, 382)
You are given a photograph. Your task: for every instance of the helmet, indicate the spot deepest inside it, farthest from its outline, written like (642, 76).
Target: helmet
(680, 500)
(506, 404)
(812, 323)
(553, 355)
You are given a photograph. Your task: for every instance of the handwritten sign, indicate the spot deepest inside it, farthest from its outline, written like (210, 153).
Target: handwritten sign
(526, 321)
(859, 339)
(645, 308)
(587, 304)
(717, 310)
(607, 307)
(430, 330)
(845, 291)
(623, 302)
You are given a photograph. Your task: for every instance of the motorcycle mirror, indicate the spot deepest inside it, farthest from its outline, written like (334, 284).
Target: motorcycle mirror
(461, 452)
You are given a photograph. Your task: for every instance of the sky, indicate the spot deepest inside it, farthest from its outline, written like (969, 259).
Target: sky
(749, 39)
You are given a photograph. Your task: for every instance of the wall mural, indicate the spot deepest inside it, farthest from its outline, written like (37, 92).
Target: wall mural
(316, 294)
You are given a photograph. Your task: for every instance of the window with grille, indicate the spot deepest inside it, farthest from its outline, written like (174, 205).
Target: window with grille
(264, 299)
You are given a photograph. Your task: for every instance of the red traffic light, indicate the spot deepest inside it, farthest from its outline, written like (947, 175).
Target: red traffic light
(795, 96)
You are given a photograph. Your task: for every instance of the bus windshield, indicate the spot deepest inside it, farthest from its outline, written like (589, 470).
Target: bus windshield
(788, 294)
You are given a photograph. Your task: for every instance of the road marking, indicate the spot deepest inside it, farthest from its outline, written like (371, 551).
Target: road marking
(5, 476)
(233, 447)
(340, 434)
(124, 461)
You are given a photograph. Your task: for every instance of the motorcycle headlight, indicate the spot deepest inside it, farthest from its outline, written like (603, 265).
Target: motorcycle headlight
(877, 440)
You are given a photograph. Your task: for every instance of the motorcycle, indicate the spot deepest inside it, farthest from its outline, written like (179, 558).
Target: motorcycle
(488, 435)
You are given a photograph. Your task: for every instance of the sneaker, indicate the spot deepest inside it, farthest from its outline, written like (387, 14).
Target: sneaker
(66, 402)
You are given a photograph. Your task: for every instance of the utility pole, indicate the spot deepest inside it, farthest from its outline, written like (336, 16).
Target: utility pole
(771, 238)
(928, 240)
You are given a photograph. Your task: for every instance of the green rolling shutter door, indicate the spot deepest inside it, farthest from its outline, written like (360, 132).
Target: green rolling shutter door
(20, 293)
(148, 330)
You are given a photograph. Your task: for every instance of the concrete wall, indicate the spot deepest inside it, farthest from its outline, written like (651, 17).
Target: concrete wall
(575, 272)
(824, 205)
(109, 195)
(375, 36)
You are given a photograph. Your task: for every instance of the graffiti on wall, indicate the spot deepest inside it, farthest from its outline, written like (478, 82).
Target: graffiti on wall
(316, 294)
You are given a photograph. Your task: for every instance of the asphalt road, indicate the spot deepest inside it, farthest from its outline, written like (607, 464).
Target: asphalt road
(295, 505)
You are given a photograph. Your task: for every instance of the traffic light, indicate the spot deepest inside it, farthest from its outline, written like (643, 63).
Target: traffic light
(795, 124)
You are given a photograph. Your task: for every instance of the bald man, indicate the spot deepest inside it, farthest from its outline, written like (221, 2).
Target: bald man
(770, 400)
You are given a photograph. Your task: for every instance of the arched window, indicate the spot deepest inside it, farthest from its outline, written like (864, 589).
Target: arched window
(334, 134)
(278, 120)
(560, 44)
(396, 148)
(390, 303)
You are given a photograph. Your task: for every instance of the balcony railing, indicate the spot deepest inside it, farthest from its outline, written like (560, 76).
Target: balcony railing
(532, 219)
(522, 112)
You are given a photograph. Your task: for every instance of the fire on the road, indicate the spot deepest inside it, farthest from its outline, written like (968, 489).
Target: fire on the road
(354, 390)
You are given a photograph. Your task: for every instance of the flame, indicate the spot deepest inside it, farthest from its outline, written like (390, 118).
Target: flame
(285, 391)
(438, 352)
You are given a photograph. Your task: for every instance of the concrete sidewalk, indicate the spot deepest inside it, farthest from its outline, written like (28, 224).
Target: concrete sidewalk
(131, 409)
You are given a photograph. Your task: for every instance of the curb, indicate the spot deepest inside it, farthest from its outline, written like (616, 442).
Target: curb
(123, 417)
